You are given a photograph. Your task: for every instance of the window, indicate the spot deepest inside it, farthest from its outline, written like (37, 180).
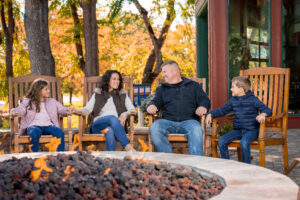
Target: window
(291, 50)
(248, 35)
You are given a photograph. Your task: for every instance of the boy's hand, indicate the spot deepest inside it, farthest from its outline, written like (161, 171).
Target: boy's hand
(201, 111)
(208, 120)
(261, 118)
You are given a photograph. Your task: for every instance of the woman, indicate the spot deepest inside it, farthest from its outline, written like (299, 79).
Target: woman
(108, 109)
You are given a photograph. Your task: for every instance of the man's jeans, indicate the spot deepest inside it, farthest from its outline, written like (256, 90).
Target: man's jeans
(116, 131)
(246, 138)
(192, 130)
(35, 132)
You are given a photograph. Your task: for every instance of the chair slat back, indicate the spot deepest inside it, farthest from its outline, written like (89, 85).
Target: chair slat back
(271, 86)
(19, 87)
(201, 81)
(90, 83)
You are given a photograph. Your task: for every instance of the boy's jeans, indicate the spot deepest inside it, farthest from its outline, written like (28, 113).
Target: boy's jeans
(246, 138)
(116, 131)
(192, 130)
(35, 132)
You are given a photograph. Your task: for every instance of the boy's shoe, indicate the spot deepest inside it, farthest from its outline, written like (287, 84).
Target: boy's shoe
(129, 147)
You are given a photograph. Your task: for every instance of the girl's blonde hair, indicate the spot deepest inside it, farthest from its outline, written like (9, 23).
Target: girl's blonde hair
(34, 93)
(242, 82)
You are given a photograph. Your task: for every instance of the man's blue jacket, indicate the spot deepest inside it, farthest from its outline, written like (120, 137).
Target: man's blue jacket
(178, 102)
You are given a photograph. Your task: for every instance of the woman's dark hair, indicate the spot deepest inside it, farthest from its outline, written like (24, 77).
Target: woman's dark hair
(34, 93)
(104, 80)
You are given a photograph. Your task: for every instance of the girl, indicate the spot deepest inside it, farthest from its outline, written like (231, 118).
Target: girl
(40, 114)
(108, 109)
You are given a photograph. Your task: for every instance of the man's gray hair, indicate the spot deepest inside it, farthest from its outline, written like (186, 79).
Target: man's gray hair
(169, 62)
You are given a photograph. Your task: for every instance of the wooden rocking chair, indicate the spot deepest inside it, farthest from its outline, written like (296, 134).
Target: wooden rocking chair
(271, 86)
(18, 86)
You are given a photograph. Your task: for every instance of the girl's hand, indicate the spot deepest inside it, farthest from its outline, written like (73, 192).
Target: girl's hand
(208, 120)
(13, 113)
(122, 120)
(261, 118)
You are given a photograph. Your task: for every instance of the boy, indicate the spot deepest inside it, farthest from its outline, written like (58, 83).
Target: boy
(246, 108)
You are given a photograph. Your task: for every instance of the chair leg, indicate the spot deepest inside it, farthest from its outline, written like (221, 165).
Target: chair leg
(290, 168)
(239, 153)
(150, 143)
(285, 156)
(262, 157)
(214, 149)
(16, 145)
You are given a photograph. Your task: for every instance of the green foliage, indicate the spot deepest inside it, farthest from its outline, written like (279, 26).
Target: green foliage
(225, 128)
(143, 107)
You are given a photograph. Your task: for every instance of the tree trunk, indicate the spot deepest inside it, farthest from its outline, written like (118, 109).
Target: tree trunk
(155, 57)
(77, 38)
(90, 38)
(8, 32)
(37, 37)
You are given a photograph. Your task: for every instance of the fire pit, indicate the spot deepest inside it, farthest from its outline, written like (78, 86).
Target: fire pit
(83, 176)
(242, 181)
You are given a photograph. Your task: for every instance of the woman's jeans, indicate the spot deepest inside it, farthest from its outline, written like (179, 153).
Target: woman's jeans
(115, 131)
(35, 132)
(246, 138)
(191, 129)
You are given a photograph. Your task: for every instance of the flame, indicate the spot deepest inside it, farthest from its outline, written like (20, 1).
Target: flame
(76, 142)
(41, 164)
(68, 171)
(104, 130)
(4, 136)
(106, 171)
(91, 147)
(53, 144)
(2, 151)
(0, 143)
(144, 147)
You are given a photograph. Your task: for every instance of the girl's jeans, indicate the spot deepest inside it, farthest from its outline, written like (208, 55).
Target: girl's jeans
(35, 132)
(246, 137)
(192, 130)
(116, 131)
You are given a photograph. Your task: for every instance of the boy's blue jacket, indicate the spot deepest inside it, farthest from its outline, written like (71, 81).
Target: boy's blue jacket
(245, 109)
(178, 102)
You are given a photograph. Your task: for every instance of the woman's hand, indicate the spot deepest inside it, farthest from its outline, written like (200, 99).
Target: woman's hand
(13, 113)
(70, 110)
(122, 119)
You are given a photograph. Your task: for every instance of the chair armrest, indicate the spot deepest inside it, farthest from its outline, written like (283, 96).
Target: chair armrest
(280, 116)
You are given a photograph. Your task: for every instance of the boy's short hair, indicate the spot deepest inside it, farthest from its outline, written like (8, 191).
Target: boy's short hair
(242, 82)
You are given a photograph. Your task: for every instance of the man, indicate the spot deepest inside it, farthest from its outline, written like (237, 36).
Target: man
(181, 101)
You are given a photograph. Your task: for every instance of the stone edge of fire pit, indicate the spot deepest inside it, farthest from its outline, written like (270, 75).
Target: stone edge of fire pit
(243, 181)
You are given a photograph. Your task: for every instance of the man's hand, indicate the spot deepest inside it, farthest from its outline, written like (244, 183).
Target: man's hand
(122, 119)
(261, 118)
(152, 109)
(201, 111)
(208, 120)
